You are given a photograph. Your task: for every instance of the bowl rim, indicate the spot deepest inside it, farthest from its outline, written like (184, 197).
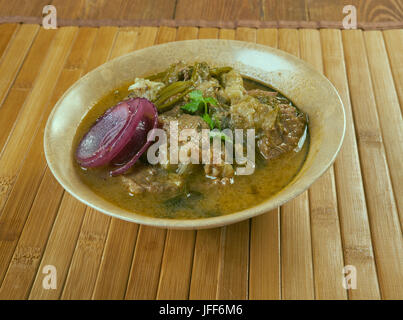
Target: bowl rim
(198, 223)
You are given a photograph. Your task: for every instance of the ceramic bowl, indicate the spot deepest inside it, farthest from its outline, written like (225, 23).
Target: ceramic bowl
(295, 79)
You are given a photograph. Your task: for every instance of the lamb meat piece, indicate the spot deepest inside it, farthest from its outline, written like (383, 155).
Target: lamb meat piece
(185, 121)
(262, 93)
(250, 113)
(285, 135)
(152, 179)
(209, 87)
(233, 86)
(219, 170)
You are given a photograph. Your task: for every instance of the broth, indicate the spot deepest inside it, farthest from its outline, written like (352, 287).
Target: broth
(207, 200)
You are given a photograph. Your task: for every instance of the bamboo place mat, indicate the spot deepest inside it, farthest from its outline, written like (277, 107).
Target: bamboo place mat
(351, 216)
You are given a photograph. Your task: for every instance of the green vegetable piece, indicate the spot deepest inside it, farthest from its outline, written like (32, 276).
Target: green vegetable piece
(171, 90)
(197, 99)
(215, 72)
(191, 107)
(211, 100)
(157, 76)
(206, 117)
(196, 95)
(168, 104)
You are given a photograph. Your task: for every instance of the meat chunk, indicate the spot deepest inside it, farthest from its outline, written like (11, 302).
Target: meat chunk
(177, 72)
(285, 135)
(185, 121)
(219, 170)
(266, 97)
(279, 127)
(209, 87)
(251, 113)
(233, 86)
(144, 88)
(151, 179)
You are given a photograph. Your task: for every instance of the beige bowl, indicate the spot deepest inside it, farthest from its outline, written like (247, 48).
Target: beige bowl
(308, 89)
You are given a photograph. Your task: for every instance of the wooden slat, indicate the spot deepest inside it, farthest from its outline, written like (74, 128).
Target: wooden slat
(7, 31)
(60, 247)
(145, 271)
(112, 232)
(296, 250)
(27, 123)
(23, 84)
(384, 222)
(87, 256)
(394, 45)
(14, 102)
(27, 255)
(264, 273)
(234, 262)
(224, 10)
(327, 250)
(116, 260)
(389, 113)
(186, 33)
(66, 229)
(144, 277)
(354, 225)
(175, 273)
(42, 209)
(206, 264)
(228, 34)
(208, 33)
(118, 254)
(176, 268)
(14, 56)
(18, 205)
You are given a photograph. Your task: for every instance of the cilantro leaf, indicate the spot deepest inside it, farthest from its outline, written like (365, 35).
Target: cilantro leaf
(206, 117)
(211, 100)
(196, 100)
(191, 107)
(196, 95)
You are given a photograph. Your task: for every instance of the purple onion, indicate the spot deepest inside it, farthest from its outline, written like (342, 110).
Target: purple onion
(119, 136)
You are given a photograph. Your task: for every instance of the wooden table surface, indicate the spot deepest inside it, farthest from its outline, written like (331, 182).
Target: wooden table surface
(369, 12)
(351, 216)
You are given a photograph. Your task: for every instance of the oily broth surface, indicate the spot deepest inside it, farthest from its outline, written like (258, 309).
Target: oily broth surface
(246, 192)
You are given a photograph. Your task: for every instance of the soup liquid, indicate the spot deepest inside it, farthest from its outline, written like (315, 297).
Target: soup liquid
(212, 200)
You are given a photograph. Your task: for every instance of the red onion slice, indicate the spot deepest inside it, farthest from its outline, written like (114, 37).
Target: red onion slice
(138, 144)
(112, 132)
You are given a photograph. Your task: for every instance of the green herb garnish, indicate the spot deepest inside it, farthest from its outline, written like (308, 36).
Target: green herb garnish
(197, 101)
